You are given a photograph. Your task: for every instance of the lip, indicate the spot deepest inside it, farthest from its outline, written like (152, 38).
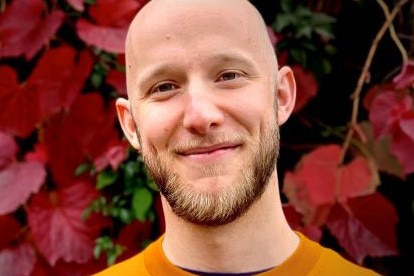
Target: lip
(209, 150)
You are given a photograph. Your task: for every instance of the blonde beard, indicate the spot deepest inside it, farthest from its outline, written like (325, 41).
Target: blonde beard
(232, 200)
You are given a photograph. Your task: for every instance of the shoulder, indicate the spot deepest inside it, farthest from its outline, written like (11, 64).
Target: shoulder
(331, 263)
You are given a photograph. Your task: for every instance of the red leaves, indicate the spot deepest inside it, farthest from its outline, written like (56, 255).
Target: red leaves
(8, 149)
(59, 77)
(8, 231)
(406, 77)
(111, 19)
(117, 78)
(86, 131)
(62, 233)
(306, 86)
(394, 117)
(17, 261)
(55, 83)
(343, 199)
(318, 182)
(17, 182)
(14, 118)
(114, 155)
(77, 4)
(365, 227)
(25, 28)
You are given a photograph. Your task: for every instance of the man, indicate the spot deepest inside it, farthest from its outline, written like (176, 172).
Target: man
(205, 103)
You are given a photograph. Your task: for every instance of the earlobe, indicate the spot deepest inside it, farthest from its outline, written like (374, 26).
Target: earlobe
(285, 94)
(127, 122)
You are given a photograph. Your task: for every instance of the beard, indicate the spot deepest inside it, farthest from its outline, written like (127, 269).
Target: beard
(232, 200)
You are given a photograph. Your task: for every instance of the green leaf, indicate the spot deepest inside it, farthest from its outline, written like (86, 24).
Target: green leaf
(96, 80)
(282, 21)
(141, 203)
(286, 5)
(125, 216)
(326, 66)
(324, 32)
(105, 179)
(151, 184)
(82, 168)
(299, 56)
(305, 31)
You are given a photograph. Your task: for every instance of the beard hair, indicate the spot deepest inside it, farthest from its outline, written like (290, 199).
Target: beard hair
(233, 199)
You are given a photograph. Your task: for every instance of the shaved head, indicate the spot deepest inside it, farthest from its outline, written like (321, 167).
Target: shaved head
(166, 20)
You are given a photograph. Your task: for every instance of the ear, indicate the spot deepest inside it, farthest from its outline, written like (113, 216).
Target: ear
(127, 122)
(285, 94)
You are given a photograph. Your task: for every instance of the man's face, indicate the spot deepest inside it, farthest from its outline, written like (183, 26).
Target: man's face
(202, 95)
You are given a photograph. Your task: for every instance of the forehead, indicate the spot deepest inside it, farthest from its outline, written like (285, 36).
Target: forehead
(173, 29)
(189, 20)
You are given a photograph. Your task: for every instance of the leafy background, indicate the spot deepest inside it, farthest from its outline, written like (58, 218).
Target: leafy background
(76, 198)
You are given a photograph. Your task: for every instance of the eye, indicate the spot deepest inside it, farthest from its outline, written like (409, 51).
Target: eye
(163, 87)
(228, 76)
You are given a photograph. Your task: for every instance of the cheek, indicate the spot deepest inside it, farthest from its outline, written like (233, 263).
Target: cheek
(254, 110)
(157, 124)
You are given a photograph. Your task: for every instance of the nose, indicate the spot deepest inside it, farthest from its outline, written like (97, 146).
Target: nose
(202, 112)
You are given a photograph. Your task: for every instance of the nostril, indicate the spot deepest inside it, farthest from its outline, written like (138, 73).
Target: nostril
(201, 116)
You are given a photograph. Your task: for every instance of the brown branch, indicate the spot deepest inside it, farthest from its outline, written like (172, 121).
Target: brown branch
(357, 92)
(393, 34)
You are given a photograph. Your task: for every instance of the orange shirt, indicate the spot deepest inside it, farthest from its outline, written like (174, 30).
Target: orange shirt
(310, 258)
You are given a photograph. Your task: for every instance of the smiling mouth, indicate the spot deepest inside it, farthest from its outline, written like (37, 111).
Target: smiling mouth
(209, 150)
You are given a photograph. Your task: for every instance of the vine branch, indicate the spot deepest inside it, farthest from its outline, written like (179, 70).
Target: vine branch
(357, 92)
(393, 34)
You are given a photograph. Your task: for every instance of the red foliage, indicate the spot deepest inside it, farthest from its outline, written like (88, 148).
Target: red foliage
(59, 77)
(8, 149)
(405, 78)
(13, 119)
(117, 78)
(295, 222)
(132, 236)
(8, 231)
(110, 23)
(365, 226)
(25, 28)
(17, 182)
(55, 83)
(38, 154)
(318, 182)
(17, 261)
(306, 86)
(114, 155)
(394, 117)
(71, 138)
(59, 125)
(78, 5)
(62, 233)
(343, 199)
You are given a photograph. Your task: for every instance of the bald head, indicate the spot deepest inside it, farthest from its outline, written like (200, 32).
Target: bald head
(189, 22)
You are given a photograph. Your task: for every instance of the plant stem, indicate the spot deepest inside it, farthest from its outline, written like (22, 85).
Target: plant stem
(357, 92)
(393, 34)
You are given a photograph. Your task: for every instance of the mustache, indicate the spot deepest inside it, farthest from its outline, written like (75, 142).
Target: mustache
(235, 138)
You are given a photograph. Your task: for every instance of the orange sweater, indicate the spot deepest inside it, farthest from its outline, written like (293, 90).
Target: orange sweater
(309, 259)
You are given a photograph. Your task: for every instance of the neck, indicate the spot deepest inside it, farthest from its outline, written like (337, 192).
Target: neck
(258, 240)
